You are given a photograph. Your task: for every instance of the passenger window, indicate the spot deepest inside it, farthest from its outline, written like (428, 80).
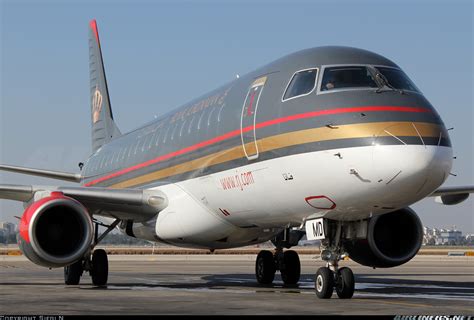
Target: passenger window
(220, 111)
(152, 138)
(210, 115)
(181, 130)
(144, 141)
(166, 134)
(124, 153)
(158, 137)
(174, 131)
(136, 147)
(190, 124)
(130, 151)
(302, 83)
(102, 161)
(346, 77)
(200, 119)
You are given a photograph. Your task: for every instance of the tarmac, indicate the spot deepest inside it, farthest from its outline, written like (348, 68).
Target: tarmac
(226, 285)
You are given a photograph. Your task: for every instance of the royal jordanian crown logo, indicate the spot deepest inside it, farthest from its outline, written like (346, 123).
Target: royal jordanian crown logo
(96, 105)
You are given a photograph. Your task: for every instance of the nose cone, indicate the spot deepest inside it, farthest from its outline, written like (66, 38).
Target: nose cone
(410, 160)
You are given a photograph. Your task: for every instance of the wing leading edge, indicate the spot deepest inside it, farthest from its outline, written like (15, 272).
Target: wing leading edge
(452, 195)
(123, 204)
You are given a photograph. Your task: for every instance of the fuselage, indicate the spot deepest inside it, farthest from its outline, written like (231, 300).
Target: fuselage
(333, 131)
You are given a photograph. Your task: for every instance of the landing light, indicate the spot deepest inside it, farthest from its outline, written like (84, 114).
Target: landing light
(327, 255)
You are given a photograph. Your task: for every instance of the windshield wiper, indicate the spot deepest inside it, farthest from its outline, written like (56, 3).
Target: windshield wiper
(385, 83)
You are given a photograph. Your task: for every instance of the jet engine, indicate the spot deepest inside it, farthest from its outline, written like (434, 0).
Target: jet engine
(392, 239)
(55, 231)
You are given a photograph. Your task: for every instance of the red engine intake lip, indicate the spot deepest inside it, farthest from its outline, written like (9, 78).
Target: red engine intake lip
(30, 212)
(30, 219)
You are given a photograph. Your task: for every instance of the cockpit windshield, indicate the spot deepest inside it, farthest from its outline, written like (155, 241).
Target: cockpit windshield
(397, 79)
(344, 77)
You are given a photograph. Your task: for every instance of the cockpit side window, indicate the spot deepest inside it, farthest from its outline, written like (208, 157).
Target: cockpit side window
(302, 83)
(397, 79)
(345, 77)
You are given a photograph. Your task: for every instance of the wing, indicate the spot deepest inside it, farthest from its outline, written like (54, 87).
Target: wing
(123, 204)
(66, 176)
(452, 195)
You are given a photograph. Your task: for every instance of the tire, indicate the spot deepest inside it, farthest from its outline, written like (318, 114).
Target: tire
(265, 267)
(100, 268)
(73, 273)
(292, 268)
(345, 283)
(324, 283)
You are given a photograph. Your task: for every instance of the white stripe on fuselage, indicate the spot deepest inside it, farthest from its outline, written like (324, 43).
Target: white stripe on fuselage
(360, 181)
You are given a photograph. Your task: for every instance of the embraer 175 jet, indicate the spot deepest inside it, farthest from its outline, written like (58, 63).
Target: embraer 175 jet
(332, 142)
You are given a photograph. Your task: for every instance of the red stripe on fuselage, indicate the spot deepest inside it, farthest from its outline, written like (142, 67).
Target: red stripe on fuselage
(257, 126)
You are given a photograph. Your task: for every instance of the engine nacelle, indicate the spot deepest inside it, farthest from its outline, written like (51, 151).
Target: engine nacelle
(392, 239)
(55, 231)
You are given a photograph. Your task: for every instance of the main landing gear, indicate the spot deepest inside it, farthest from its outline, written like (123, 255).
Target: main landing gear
(287, 262)
(96, 263)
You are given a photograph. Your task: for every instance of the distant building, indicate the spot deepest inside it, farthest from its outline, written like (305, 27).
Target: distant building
(434, 236)
(7, 232)
(430, 236)
(8, 227)
(450, 237)
(469, 238)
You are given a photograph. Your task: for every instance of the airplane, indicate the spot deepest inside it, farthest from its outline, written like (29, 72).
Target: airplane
(334, 143)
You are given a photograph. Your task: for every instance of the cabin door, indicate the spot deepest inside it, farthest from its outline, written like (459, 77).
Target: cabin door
(248, 118)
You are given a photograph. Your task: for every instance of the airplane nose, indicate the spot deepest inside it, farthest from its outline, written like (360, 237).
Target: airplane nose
(410, 161)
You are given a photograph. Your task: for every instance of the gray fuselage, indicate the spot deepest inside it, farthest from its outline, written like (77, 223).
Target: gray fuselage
(169, 148)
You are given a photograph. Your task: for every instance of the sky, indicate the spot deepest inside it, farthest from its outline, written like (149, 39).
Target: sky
(160, 54)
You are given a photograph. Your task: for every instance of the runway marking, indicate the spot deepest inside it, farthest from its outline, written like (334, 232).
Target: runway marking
(417, 296)
(406, 304)
(364, 285)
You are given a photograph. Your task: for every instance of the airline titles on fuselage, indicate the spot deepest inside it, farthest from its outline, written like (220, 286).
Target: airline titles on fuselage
(238, 181)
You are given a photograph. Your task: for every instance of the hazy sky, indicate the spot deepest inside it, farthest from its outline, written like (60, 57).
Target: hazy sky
(161, 54)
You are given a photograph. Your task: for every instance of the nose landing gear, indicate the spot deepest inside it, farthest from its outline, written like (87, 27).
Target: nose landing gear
(332, 277)
(345, 283)
(324, 283)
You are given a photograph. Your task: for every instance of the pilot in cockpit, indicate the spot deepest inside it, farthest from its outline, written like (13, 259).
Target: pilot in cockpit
(329, 85)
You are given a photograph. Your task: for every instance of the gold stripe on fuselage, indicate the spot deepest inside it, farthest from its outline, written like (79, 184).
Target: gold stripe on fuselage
(350, 131)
